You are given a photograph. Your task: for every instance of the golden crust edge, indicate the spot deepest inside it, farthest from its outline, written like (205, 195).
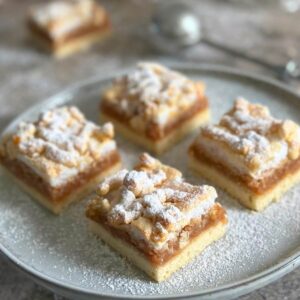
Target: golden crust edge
(161, 146)
(73, 46)
(75, 196)
(160, 273)
(242, 193)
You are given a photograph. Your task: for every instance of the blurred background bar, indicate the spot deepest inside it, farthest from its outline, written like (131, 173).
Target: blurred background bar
(267, 30)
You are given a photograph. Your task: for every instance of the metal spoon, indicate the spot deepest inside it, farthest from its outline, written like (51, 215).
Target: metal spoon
(176, 26)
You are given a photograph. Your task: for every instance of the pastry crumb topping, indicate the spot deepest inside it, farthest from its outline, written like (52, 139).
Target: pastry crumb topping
(152, 199)
(152, 93)
(61, 138)
(250, 131)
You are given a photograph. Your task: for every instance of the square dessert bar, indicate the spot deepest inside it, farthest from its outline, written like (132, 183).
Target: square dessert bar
(60, 157)
(154, 106)
(66, 26)
(154, 218)
(250, 154)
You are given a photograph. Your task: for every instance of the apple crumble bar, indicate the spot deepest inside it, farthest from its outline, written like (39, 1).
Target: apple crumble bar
(66, 26)
(250, 154)
(60, 157)
(155, 106)
(154, 218)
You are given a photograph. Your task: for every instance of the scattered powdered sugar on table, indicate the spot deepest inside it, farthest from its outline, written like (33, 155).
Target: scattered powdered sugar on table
(64, 249)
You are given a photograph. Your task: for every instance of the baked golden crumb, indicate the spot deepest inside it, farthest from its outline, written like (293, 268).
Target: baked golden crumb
(250, 154)
(66, 26)
(155, 106)
(154, 218)
(60, 157)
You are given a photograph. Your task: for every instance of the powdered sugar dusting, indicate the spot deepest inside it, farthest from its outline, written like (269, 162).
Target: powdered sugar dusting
(64, 249)
(151, 82)
(258, 141)
(62, 136)
(245, 129)
(141, 182)
(150, 192)
(152, 93)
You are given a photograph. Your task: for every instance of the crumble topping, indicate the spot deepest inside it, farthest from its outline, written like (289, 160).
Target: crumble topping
(250, 132)
(61, 17)
(60, 141)
(152, 200)
(152, 93)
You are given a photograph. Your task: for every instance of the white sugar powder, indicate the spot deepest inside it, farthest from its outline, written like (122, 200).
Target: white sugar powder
(64, 249)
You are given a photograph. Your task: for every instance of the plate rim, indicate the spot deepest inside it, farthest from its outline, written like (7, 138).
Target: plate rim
(238, 288)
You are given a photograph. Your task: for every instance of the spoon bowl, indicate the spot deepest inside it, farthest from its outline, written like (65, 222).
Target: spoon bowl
(175, 27)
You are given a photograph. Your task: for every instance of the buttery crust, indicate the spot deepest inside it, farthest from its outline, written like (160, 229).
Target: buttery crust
(77, 43)
(58, 194)
(161, 257)
(159, 146)
(257, 187)
(161, 272)
(239, 190)
(76, 195)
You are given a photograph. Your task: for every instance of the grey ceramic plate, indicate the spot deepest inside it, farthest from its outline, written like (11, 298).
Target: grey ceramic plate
(60, 253)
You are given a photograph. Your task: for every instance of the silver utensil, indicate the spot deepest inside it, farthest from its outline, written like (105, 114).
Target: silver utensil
(175, 27)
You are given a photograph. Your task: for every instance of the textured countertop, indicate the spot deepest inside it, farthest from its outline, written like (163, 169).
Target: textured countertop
(28, 76)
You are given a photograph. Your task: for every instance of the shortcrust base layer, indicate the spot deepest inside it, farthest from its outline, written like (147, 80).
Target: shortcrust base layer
(165, 143)
(69, 47)
(161, 272)
(76, 195)
(239, 191)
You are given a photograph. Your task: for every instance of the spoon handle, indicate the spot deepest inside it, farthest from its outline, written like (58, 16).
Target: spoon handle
(274, 68)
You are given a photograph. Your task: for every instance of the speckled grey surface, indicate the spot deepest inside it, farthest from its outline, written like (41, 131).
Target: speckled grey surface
(28, 76)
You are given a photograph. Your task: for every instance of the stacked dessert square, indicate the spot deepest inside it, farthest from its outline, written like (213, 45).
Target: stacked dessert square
(155, 218)
(60, 157)
(150, 214)
(63, 27)
(250, 154)
(154, 106)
